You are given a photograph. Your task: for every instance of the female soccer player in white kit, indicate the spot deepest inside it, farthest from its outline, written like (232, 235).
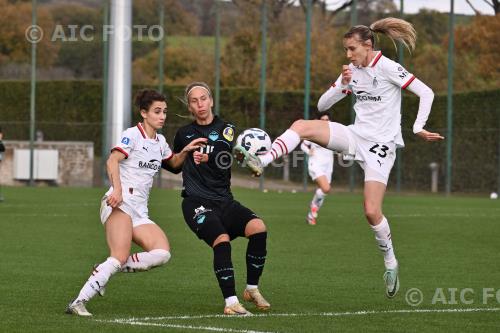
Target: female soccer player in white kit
(320, 167)
(133, 163)
(376, 81)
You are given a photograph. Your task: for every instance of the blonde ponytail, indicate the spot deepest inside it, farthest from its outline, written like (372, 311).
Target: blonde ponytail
(397, 30)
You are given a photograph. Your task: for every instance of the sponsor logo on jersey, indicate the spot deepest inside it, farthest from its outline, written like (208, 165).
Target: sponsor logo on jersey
(366, 96)
(125, 140)
(213, 136)
(152, 164)
(228, 133)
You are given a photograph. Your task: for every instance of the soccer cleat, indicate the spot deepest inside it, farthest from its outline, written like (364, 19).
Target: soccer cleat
(248, 160)
(254, 296)
(236, 310)
(78, 307)
(391, 279)
(310, 219)
(314, 210)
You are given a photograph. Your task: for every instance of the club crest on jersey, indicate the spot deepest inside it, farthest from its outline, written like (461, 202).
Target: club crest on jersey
(228, 133)
(199, 213)
(125, 140)
(375, 82)
(213, 136)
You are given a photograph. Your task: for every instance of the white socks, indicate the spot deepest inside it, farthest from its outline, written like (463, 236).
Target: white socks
(100, 276)
(318, 198)
(231, 300)
(283, 145)
(383, 238)
(144, 261)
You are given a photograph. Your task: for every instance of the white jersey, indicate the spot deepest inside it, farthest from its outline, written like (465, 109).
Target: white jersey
(377, 88)
(320, 160)
(143, 157)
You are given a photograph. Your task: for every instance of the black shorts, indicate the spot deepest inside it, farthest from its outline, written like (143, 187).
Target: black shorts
(209, 219)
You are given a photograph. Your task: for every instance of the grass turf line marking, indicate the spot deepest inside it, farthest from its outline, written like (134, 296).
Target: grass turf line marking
(321, 314)
(190, 327)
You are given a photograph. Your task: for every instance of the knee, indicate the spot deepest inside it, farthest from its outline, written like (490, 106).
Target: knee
(373, 213)
(220, 239)
(162, 256)
(326, 189)
(255, 226)
(299, 126)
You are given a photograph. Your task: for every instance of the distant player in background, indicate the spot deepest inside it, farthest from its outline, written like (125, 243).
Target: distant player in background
(131, 167)
(209, 208)
(320, 166)
(376, 81)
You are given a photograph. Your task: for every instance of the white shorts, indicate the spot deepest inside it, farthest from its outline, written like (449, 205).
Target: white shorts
(376, 158)
(317, 170)
(134, 204)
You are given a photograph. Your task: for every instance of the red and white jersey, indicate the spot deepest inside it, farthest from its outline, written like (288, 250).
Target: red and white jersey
(143, 157)
(377, 88)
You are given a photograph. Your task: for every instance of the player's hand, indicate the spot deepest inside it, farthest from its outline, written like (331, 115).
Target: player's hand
(195, 144)
(429, 136)
(200, 157)
(114, 199)
(346, 75)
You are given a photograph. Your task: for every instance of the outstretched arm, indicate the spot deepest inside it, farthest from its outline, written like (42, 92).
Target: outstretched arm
(424, 108)
(178, 159)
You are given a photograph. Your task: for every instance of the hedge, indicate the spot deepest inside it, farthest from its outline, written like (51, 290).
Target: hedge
(71, 110)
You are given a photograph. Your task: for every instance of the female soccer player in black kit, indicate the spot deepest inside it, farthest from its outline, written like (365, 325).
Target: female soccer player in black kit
(209, 208)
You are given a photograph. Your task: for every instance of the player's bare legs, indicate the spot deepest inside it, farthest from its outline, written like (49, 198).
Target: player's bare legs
(318, 199)
(119, 238)
(374, 195)
(313, 130)
(157, 249)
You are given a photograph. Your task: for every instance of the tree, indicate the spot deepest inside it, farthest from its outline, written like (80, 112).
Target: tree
(495, 5)
(14, 46)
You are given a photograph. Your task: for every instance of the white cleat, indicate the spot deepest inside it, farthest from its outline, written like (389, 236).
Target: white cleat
(77, 307)
(391, 279)
(248, 160)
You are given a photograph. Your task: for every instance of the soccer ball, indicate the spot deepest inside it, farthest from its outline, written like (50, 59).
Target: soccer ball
(255, 141)
(493, 196)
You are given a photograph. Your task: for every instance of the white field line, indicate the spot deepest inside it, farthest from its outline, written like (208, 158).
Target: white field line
(320, 314)
(189, 327)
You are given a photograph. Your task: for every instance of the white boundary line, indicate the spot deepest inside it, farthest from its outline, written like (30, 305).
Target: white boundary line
(144, 321)
(320, 314)
(189, 327)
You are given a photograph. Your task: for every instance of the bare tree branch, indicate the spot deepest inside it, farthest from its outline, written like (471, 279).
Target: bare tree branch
(474, 9)
(490, 4)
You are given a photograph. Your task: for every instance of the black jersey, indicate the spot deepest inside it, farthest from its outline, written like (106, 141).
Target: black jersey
(210, 180)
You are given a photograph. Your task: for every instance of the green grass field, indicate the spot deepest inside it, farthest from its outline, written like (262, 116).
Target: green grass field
(318, 279)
